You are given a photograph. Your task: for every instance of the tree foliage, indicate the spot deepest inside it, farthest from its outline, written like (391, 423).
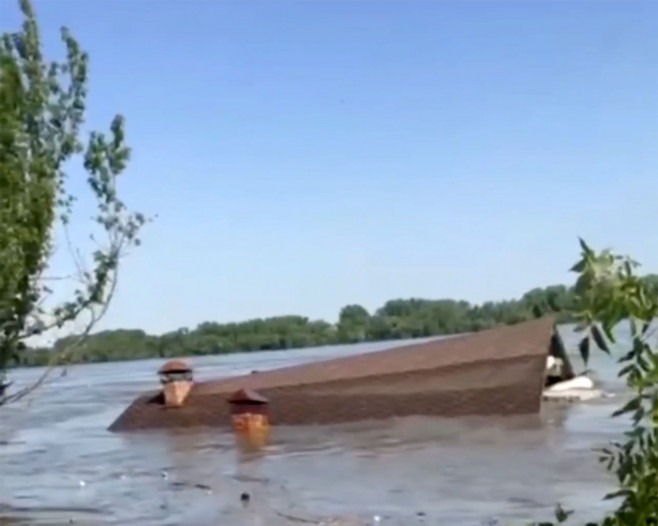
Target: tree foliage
(396, 319)
(42, 110)
(609, 292)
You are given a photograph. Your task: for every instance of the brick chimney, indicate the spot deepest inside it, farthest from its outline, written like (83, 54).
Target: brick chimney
(177, 381)
(250, 418)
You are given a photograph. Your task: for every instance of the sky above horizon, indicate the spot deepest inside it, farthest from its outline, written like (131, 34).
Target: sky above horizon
(301, 156)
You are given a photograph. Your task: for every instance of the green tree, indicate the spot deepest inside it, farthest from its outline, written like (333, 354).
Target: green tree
(353, 323)
(396, 319)
(42, 109)
(609, 292)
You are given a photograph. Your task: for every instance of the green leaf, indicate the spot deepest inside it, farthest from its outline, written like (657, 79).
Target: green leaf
(585, 248)
(584, 347)
(561, 515)
(579, 266)
(625, 370)
(608, 332)
(632, 405)
(617, 494)
(599, 339)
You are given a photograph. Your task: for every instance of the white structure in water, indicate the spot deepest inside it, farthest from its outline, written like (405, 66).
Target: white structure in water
(579, 388)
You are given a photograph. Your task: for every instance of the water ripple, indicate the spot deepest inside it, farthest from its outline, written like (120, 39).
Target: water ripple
(58, 462)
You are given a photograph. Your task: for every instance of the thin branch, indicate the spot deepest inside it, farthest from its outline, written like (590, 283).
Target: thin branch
(77, 258)
(56, 278)
(87, 303)
(64, 355)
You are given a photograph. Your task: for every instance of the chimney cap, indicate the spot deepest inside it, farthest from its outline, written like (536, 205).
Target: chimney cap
(247, 396)
(175, 366)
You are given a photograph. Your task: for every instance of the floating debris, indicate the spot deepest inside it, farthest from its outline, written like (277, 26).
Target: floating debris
(245, 498)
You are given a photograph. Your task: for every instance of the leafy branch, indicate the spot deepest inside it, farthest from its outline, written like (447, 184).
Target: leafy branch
(42, 109)
(609, 293)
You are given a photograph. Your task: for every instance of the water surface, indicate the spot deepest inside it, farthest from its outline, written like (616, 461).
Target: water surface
(59, 462)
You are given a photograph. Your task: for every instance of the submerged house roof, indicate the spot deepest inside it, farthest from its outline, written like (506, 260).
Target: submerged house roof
(495, 372)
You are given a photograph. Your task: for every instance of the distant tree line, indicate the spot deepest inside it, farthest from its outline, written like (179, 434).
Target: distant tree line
(396, 319)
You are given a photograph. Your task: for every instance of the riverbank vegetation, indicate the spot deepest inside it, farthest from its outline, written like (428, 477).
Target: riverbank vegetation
(396, 319)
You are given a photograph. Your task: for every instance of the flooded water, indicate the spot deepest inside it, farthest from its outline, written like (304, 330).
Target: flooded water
(59, 463)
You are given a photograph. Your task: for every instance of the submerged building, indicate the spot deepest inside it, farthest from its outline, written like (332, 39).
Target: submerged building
(502, 371)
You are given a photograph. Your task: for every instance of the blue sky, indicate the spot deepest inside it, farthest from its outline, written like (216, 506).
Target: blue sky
(305, 155)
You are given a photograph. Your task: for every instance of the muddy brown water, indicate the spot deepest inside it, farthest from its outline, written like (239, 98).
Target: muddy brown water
(59, 463)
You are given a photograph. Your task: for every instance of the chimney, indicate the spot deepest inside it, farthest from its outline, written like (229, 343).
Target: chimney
(249, 410)
(250, 418)
(177, 380)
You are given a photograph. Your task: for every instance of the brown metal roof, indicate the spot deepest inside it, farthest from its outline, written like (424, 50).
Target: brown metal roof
(496, 372)
(525, 339)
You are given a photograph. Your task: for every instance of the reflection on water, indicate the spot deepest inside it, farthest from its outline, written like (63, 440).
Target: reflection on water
(58, 461)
